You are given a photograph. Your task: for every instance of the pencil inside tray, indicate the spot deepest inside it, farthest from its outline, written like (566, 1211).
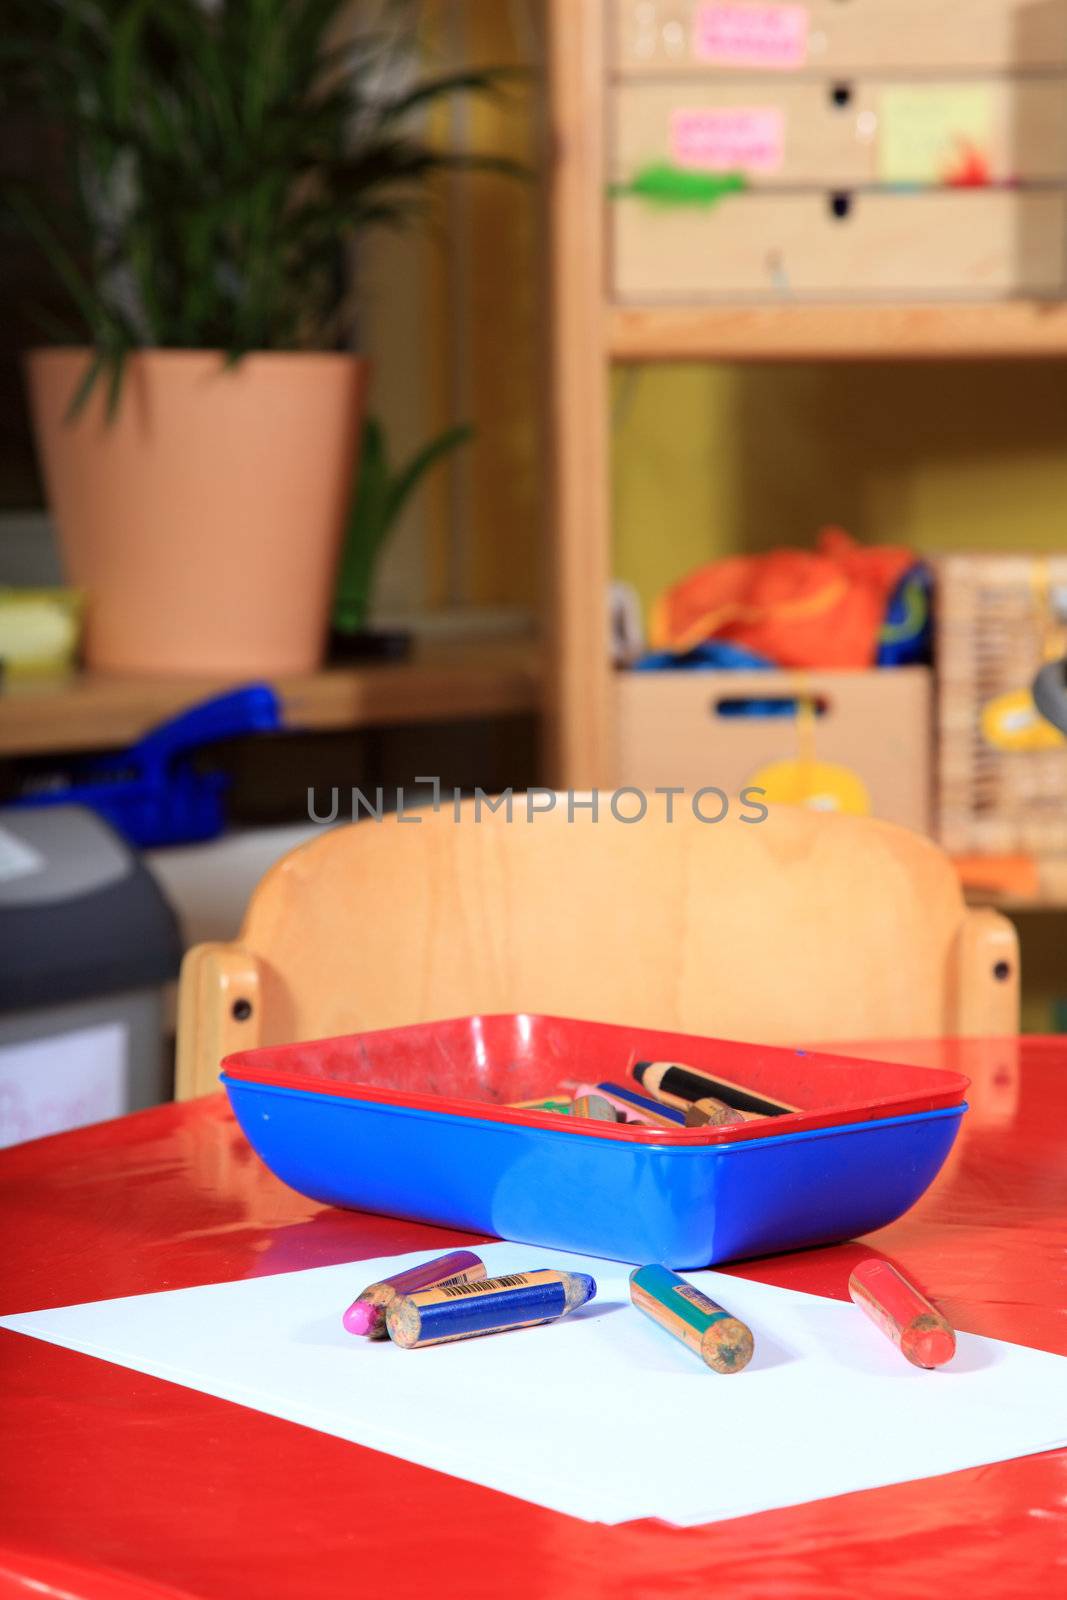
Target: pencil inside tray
(604, 1079)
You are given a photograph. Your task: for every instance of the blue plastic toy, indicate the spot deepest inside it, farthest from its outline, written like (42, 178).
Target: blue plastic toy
(152, 793)
(907, 638)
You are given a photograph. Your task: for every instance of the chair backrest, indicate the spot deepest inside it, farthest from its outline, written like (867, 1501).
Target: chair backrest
(803, 927)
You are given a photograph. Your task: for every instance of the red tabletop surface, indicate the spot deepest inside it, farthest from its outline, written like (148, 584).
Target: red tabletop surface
(117, 1486)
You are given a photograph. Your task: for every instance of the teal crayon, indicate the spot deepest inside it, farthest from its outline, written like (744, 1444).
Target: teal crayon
(720, 1340)
(493, 1305)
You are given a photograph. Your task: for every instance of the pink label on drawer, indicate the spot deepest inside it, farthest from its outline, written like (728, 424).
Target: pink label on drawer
(774, 37)
(729, 138)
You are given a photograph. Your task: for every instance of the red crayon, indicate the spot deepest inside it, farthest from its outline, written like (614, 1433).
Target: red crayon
(904, 1315)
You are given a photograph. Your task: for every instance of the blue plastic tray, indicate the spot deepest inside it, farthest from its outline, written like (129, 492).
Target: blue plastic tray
(687, 1199)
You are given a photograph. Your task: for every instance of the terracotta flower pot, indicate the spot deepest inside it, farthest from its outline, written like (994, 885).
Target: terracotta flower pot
(204, 521)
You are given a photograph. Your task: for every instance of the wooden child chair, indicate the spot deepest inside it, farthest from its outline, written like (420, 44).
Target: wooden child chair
(800, 928)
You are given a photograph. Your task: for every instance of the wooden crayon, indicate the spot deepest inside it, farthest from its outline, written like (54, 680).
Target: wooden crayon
(561, 1106)
(709, 1113)
(904, 1315)
(640, 1108)
(681, 1082)
(494, 1305)
(624, 1111)
(595, 1107)
(720, 1340)
(366, 1314)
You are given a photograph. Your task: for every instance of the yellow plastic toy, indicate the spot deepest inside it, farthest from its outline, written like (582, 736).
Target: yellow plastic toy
(39, 631)
(803, 780)
(1013, 722)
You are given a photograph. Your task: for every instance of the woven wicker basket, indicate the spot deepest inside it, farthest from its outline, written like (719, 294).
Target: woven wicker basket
(999, 617)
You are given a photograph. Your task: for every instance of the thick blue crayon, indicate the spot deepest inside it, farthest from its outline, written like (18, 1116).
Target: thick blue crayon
(653, 1111)
(491, 1305)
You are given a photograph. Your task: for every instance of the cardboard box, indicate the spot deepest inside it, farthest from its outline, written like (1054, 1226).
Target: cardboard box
(733, 37)
(979, 244)
(868, 745)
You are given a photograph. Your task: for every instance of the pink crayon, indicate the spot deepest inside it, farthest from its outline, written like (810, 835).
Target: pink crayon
(366, 1314)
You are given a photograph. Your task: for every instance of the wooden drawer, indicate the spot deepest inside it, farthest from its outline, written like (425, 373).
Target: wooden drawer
(865, 132)
(955, 243)
(835, 36)
(871, 739)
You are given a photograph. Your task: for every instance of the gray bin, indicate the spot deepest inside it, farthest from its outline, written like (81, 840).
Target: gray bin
(87, 941)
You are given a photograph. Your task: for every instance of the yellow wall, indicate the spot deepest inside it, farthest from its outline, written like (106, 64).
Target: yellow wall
(712, 460)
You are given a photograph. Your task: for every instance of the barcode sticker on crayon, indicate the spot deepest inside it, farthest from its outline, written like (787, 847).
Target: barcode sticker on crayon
(514, 1280)
(697, 1299)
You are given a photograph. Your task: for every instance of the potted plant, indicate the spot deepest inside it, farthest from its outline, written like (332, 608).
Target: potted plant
(199, 421)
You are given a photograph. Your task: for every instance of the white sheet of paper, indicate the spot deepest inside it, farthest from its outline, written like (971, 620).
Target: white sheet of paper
(602, 1415)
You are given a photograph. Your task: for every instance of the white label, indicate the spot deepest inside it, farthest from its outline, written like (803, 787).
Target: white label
(49, 1085)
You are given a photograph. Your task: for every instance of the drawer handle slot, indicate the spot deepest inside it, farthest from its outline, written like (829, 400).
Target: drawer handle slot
(841, 205)
(734, 706)
(841, 95)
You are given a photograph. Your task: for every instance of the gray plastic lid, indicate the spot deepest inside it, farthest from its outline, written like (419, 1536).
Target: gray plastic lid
(80, 914)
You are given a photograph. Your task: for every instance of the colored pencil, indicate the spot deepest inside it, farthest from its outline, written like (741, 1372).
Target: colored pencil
(495, 1305)
(595, 1107)
(681, 1082)
(563, 1107)
(641, 1108)
(904, 1315)
(710, 1113)
(720, 1340)
(366, 1314)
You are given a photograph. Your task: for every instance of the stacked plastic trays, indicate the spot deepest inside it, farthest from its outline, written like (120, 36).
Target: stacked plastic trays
(418, 1122)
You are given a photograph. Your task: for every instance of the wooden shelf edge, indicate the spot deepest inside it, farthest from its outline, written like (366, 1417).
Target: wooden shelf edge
(1039, 883)
(1000, 330)
(442, 683)
(1013, 904)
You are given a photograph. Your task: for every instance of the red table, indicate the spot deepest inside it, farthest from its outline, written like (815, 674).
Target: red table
(117, 1486)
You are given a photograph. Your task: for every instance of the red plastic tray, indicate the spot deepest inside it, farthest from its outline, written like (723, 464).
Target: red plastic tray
(471, 1066)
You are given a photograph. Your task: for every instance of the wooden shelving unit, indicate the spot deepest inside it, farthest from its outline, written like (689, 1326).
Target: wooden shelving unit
(1018, 330)
(589, 333)
(1047, 890)
(441, 683)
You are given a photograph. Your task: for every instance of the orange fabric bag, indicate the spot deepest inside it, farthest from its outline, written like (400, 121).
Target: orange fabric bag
(799, 608)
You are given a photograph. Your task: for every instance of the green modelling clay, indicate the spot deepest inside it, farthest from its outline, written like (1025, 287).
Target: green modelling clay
(665, 185)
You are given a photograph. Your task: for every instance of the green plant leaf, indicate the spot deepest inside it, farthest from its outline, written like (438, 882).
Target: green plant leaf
(486, 80)
(219, 158)
(94, 369)
(404, 484)
(379, 498)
